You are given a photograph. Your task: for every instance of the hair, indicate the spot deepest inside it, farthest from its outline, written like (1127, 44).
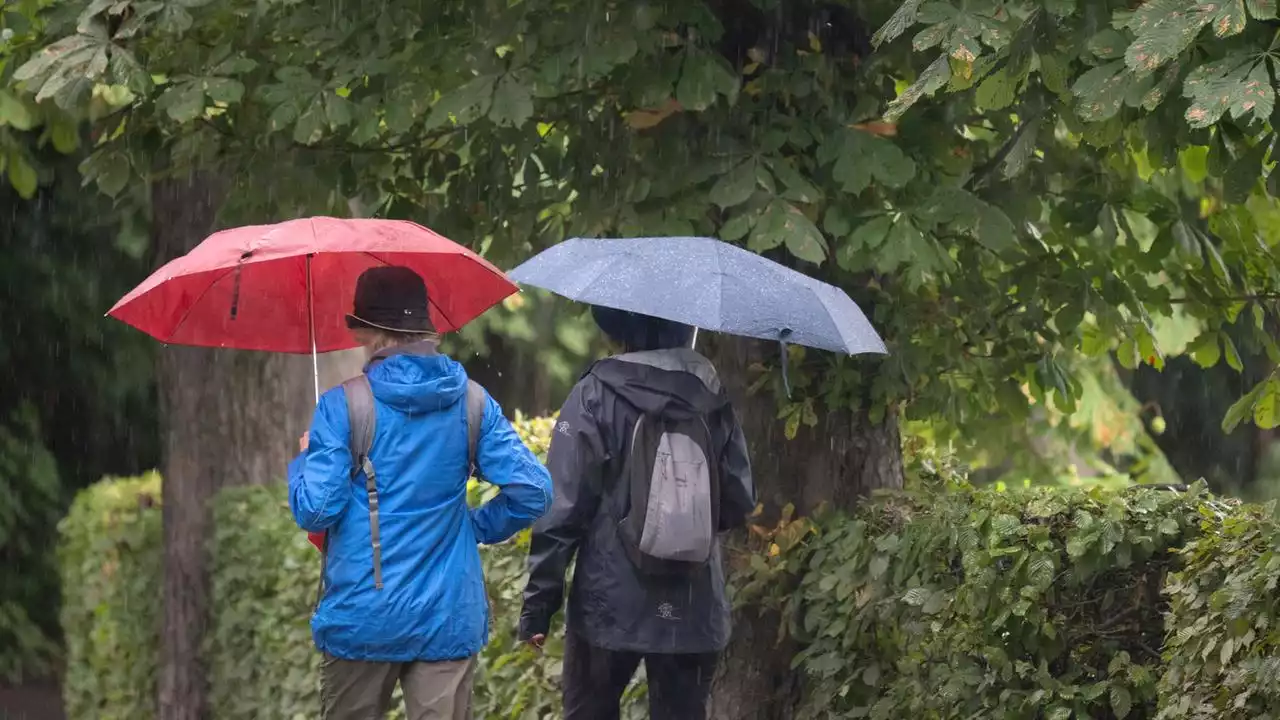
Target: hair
(376, 339)
(639, 333)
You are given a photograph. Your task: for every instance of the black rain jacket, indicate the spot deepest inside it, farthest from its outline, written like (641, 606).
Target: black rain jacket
(610, 605)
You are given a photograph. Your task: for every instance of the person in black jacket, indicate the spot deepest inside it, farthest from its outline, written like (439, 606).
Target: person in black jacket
(616, 615)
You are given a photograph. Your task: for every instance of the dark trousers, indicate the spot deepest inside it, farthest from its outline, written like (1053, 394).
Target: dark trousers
(595, 678)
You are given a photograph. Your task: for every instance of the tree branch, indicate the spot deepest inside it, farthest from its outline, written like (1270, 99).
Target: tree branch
(1229, 299)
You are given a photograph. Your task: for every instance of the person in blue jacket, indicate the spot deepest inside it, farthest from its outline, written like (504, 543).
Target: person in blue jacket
(423, 624)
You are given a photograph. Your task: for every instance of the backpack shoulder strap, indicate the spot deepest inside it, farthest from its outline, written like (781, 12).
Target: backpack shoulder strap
(476, 402)
(363, 418)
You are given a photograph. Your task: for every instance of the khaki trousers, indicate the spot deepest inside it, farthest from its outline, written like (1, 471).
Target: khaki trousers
(355, 690)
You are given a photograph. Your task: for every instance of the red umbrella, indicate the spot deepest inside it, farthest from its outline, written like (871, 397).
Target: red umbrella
(287, 287)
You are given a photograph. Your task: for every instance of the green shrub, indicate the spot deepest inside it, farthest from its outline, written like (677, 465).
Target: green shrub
(259, 652)
(111, 564)
(32, 500)
(1223, 642)
(976, 603)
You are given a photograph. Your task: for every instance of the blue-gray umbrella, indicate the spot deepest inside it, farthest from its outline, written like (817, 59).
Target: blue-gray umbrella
(705, 283)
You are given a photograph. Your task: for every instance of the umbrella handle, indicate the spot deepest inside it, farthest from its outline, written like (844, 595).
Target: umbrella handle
(782, 347)
(311, 328)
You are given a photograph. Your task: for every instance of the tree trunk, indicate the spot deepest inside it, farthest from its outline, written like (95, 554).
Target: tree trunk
(229, 418)
(837, 462)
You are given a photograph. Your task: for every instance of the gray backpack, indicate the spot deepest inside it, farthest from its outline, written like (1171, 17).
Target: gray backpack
(362, 417)
(673, 483)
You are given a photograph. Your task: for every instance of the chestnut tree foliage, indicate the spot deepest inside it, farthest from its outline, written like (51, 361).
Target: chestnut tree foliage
(1012, 189)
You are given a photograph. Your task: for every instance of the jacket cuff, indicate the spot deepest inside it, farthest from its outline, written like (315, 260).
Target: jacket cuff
(531, 625)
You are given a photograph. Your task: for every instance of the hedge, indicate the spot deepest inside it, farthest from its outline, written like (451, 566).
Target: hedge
(949, 603)
(260, 658)
(1035, 603)
(1224, 621)
(32, 502)
(110, 563)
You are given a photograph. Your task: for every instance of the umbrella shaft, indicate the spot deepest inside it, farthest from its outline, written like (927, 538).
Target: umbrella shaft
(311, 329)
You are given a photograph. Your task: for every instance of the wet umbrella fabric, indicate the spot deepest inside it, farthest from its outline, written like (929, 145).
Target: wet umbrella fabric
(265, 287)
(288, 287)
(705, 283)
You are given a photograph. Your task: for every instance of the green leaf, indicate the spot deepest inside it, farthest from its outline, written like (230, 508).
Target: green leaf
(802, 237)
(1165, 28)
(1266, 413)
(868, 236)
(1022, 151)
(902, 19)
(58, 63)
(1156, 94)
(859, 156)
(1121, 701)
(65, 136)
(223, 90)
(879, 565)
(738, 226)
(871, 233)
(182, 103)
(15, 113)
(235, 66)
(1093, 342)
(1054, 73)
(767, 233)
(798, 188)
(735, 187)
(1204, 350)
(282, 117)
(934, 78)
(792, 426)
(1102, 91)
(110, 170)
(851, 170)
(1242, 408)
(1243, 174)
(512, 103)
(1262, 9)
(701, 78)
(1239, 84)
(996, 92)
(174, 20)
(21, 175)
(836, 222)
(463, 105)
(904, 244)
(311, 123)
(963, 212)
(995, 230)
(338, 110)
(1233, 355)
(1109, 44)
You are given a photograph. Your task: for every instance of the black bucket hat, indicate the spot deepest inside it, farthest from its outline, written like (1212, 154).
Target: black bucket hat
(391, 298)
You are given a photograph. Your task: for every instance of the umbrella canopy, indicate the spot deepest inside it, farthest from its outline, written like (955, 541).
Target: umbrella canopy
(707, 284)
(288, 287)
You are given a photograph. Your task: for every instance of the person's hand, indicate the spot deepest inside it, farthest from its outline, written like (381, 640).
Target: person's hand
(304, 441)
(537, 641)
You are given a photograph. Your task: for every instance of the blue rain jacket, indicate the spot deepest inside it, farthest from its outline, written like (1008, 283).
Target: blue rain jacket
(432, 605)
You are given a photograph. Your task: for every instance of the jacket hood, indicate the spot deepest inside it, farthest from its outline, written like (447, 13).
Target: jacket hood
(678, 381)
(416, 379)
